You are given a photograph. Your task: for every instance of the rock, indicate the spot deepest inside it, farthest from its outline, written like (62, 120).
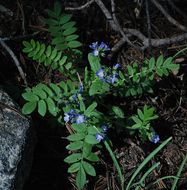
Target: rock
(17, 140)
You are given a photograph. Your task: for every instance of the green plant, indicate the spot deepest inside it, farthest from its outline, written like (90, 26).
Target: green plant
(142, 123)
(78, 102)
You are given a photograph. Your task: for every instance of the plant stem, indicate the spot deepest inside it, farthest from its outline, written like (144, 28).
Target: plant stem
(115, 163)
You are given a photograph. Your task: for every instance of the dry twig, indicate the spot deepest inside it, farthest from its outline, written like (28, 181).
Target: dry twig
(11, 53)
(168, 16)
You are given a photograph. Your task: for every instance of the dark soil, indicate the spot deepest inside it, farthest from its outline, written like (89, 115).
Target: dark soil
(169, 98)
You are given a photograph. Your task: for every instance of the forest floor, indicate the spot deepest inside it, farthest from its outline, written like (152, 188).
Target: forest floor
(23, 18)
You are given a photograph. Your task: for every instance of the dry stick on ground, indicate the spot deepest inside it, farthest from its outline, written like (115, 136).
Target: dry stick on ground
(11, 53)
(168, 16)
(86, 5)
(148, 24)
(127, 32)
(177, 9)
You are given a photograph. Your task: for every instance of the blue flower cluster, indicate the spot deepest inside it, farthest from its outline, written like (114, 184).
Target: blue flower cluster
(72, 117)
(99, 49)
(110, 76)
(155, 138)
(100, 136)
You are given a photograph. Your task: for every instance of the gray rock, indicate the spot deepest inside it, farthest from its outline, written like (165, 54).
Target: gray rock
(17, 140)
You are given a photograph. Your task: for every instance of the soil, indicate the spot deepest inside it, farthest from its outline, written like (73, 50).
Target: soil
(22, 19)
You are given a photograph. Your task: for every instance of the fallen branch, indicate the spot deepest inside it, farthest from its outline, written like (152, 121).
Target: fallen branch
(11, 53)
(168, 16)
(86, 5)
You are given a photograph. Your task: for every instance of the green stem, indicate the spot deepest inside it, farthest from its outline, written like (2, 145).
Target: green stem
(115, 163)
(179, 173)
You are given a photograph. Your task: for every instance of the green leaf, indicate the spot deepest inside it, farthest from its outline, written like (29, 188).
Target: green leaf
(65, 18)
(81, 178)
(94, 62)
(57, 8)
(95, 87)
(140, 114)
(68, 25)
(92, 130)
(29, 107)
(90, 109)
(72, 37)
(69, 31)
(68, 65)
(79, 127)
(51, 106)
(82, 106)
(76, 137)
(55, 88)
(130, 70)
(118, 112)
(159, 72)
(63, 60)
(53, 54)
(159, 61)
(46, 89)
(29, 96)
(92, 157)
(39, 91)
(74, 167)
(89, 169)
(152, 63)
(74, 44)
(75, 145)
(73, 158)
(168, 61)
(136, 119)
(90, 139)
(173, 66)
(42, 108)
(136, 126)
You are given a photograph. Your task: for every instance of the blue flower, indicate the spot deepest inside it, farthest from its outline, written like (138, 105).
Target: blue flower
(104, 127)
(155, 138)
(116, 66)
(100, 74)
(99, 49)
(72, 112)
(79, 118)
(66, 117)
(99, 137)
(112, 78)
(95, 52)
(104, 47)
(94, 45)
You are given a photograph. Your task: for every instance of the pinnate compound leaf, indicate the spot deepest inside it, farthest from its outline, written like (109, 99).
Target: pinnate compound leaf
(29, 107)
(89, 169)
